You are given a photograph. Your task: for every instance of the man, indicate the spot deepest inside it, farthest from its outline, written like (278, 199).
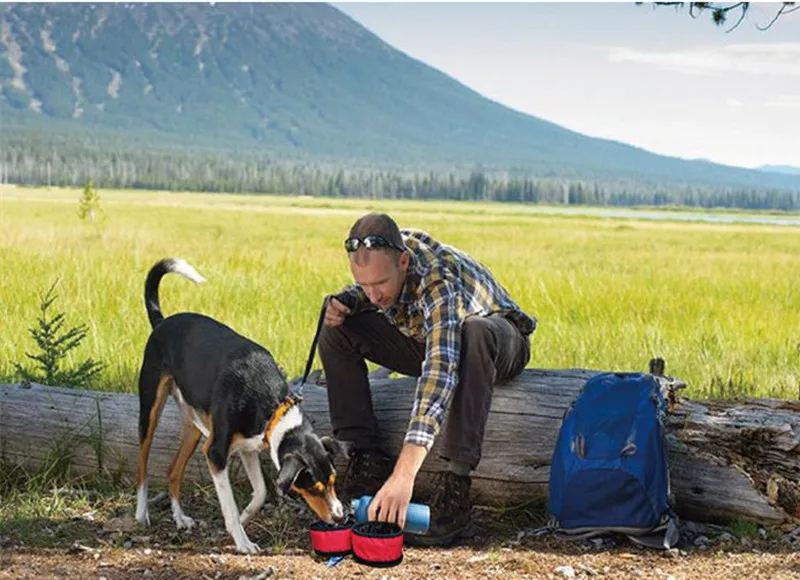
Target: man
(428, 310)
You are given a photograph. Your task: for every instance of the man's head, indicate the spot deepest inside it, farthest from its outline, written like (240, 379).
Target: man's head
(378, 259)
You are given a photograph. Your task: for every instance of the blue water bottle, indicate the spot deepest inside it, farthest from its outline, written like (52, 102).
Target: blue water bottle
(418, 516)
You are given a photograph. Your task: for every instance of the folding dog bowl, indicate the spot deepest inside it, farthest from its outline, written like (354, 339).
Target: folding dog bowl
(330, 540)
(377, 544)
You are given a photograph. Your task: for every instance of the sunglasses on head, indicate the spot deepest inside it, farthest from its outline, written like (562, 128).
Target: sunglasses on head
(369, 242)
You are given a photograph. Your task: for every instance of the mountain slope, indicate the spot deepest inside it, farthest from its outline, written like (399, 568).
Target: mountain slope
(787, 169)
(296, 78)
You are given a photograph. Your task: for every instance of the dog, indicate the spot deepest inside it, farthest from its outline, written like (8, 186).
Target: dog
(232, 392)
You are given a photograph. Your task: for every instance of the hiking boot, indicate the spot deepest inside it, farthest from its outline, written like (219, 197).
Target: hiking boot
(451, 511)
(367, 471)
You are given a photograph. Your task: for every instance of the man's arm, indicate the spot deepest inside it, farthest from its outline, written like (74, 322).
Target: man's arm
(443, 315)
(391, 501)
(435, 387)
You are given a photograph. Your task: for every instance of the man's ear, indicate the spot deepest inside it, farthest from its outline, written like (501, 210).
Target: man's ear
(403, 261)
(290, 468)
(331, 445)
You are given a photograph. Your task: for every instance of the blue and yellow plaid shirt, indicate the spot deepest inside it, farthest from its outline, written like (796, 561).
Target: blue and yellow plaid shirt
(443, 286)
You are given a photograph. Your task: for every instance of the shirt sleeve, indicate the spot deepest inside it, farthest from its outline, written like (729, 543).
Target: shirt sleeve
(442, 312)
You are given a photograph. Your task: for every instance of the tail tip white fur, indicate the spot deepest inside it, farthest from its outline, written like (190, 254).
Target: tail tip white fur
(186, 270)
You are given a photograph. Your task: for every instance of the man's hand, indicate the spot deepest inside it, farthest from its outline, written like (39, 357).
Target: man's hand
(335, 313)
(391, 502)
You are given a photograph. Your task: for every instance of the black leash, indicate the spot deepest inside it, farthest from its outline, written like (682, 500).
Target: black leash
(296, 393)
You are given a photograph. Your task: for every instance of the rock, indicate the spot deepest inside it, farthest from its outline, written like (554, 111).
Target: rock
(603, 543)
(120, 525)
(693, 527)
(260, 576)
(77, 548)
(672, 553)
(586, 569)
(726, 537)
(565, 571)
(217, 559)
(762, 533)
(701, 542)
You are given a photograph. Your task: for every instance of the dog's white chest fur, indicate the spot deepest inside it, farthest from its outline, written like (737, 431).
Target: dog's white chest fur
(291, 420)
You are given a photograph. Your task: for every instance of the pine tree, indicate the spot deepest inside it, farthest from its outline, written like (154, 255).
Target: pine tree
(89, 203)
(55, 343)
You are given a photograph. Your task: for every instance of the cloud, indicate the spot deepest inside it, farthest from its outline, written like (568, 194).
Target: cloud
(784, 101)
(734, 103)
(778, 58)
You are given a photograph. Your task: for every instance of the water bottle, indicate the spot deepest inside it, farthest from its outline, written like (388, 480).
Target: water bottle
(418, 516)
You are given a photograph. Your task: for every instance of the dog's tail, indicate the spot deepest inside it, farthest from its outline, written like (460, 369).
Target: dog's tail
(157, 272)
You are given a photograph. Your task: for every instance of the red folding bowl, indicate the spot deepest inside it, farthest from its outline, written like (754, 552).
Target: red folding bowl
(378, 544)
(329, 540)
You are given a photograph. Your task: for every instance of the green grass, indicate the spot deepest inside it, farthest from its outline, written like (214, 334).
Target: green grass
(718, 302)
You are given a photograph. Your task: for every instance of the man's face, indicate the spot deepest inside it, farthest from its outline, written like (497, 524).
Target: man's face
(380, 273)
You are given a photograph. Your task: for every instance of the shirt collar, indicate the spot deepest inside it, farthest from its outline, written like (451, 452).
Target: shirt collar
(409, 292)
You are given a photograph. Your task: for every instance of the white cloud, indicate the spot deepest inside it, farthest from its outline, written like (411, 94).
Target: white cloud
(734, 103)
(779, 58)
(784, 101)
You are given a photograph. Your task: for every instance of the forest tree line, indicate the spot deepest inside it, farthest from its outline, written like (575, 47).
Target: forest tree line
(57, 164)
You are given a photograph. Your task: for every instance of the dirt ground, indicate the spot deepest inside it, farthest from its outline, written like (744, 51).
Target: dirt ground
(461, 562)
(501, 544)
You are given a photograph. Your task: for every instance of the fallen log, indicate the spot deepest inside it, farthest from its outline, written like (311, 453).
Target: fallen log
(730, 460)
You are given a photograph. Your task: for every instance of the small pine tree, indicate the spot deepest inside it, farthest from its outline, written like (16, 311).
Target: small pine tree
(89, 203)
(55, 343)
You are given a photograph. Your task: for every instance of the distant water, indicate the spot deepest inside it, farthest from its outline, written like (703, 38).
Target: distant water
(717, 218)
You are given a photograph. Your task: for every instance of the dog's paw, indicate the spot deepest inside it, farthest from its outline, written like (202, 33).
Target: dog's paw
(247, 547)
(183, 521)
(143, 517)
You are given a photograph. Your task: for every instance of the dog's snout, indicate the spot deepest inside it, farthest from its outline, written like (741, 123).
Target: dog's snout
(337, 512)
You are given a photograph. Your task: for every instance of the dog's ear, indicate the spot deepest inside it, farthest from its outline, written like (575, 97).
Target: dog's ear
(290, 469)
(331, 445)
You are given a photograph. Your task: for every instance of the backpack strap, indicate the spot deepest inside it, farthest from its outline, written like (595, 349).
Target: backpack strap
(664, 537)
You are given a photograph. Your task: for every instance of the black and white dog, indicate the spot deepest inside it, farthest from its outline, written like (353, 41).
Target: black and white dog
(231, 392)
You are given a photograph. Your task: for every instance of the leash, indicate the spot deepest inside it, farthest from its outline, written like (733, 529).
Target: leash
(296, 393)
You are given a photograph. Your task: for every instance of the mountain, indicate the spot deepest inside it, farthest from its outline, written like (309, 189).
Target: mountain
(293, 79)
(787, 169)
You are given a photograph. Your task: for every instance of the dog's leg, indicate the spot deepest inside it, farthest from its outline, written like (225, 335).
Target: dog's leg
(189, 439)
(252, 467)
(216, 456)
(230, 512)
(152, 396)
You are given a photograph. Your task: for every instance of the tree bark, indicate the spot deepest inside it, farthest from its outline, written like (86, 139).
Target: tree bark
(729, 460)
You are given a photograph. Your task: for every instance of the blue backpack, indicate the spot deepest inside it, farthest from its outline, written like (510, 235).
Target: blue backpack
(609, 469)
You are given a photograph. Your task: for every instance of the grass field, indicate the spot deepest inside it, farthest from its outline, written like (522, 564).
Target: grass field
(719, 302)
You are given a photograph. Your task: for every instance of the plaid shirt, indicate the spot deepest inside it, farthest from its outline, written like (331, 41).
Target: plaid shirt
(443, 286)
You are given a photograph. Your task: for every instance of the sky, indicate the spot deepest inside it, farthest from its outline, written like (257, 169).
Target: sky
(654, 78)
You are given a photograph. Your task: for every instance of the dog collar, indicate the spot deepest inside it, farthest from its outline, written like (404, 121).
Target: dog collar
(290, 401)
